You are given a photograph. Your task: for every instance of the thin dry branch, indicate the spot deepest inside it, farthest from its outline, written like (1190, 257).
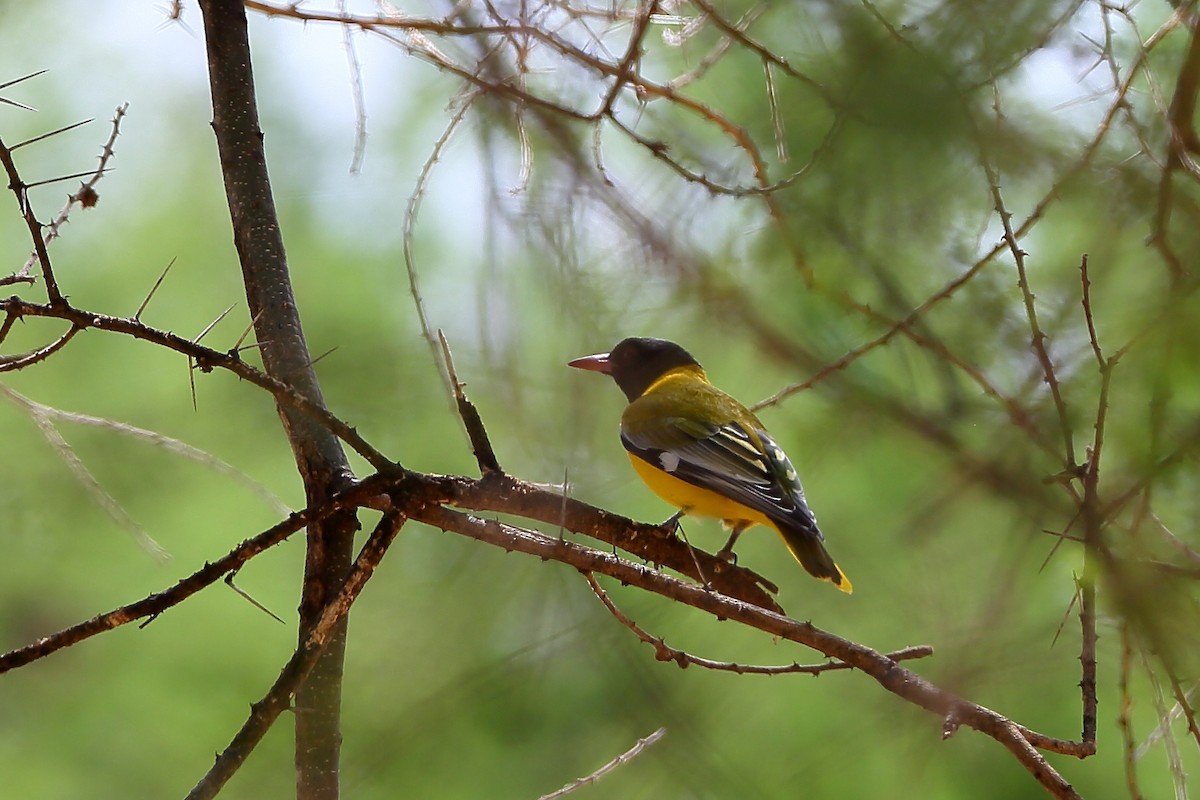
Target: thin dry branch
(411, 210)
(206, 359)
(1163, 731)
(282, 694)
(1182, 149)
(1118, 103)
(683, 659)
(85, 196)
(20, 190)
(14, 363)
(481, 445)
(1125, 714)
(624, 758)
(1022, 742)
(151, 606)
(1037, 336)
(155, 438)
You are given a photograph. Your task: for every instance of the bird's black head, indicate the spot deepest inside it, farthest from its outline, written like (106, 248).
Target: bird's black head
(637, 362)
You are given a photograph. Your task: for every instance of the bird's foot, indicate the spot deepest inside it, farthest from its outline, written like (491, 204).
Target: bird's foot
(671, 523)
(727, 555)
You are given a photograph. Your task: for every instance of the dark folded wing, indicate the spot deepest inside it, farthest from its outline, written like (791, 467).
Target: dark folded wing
(728, 460)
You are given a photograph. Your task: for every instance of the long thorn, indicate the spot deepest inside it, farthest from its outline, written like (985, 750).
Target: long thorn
(318, 358)
(192, 381)
(51, 133)
(153, 289)
(213, 324)
(15, 81)
(18, 105)
(237, 346)
(84, 174)
(246, 596)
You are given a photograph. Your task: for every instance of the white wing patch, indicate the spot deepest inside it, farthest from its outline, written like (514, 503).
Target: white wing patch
(669, 461)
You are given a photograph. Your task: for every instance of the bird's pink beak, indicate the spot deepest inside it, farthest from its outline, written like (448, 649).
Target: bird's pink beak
(596, 363)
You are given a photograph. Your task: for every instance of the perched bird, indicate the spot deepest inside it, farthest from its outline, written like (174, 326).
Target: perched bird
(706, 453)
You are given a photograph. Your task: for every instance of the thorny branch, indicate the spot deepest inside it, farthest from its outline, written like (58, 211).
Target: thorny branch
(281, 696)
(430, 498)
(664, 653)
(424, 498)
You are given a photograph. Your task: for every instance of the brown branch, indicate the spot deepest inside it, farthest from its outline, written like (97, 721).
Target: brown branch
(420, 497)
(683, 659)
(1185, 706)
(313, 645)
(320, 459)
(625, 70)
(1095, 551)
(884, 670)
(85, 195)
(151, 606)
(206, 359)
(1125, 714)
(20, 190)
(1037, 337)
(505, 494)
(481, 445)
(13, 363)
(1086, 300)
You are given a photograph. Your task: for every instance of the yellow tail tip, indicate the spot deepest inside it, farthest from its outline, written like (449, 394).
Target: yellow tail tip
(843, 582)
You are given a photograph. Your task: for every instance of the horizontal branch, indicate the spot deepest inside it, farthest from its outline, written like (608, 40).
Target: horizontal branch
(505, 494)
(886, 671)
(206, 360)
(663, 652)
(155, 604)
(424, 498)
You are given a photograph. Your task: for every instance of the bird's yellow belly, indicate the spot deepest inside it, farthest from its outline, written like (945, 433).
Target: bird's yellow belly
(693, 499)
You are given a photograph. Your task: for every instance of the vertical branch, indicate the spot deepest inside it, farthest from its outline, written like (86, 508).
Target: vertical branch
(319, 457)
(21, 190)
(264, 713)
(1092, 516)
(1037, 341)
(1125, 716)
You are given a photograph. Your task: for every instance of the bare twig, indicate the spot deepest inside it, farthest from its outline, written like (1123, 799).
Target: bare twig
(1022, 742)
(1037, 340)
(14, 363)
(153, 437)
(99, 494)
(410, 216)
(682, 659)
(1163, 732)
(1086, 300)
(1125, 714)
(356, 93)
(481, 445)
(205, 358)
(630, 754)
(280, 697)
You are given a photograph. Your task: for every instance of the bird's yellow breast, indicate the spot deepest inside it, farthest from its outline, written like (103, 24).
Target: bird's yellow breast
(694, 499)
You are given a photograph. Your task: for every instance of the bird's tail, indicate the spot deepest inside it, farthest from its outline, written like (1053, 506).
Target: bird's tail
(810, 551)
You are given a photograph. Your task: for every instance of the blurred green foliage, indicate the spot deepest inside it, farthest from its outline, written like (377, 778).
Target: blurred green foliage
(475, 673)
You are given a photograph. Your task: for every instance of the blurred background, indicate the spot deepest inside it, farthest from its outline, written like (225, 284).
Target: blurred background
(929, 458)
